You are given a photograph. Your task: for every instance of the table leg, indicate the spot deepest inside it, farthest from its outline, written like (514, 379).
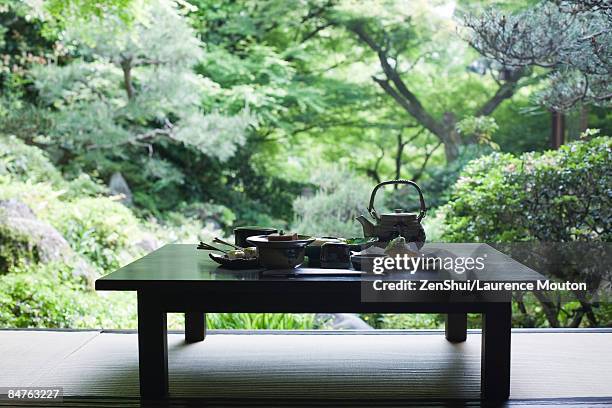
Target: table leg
(195, 327)
(152, 347)
(455, 327)
(495, 358)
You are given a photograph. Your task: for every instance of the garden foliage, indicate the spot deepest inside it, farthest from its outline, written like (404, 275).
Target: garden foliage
(560, 196)
(75, 216)
(274, 113)
(102, 233)
(556, 196)
(330, 209)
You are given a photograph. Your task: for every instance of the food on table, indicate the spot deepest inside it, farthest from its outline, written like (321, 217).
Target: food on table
(283, 237)
(320, 241)
(250, 252)
(335, 255)
(359, 244)
(313, 250)
(235, 254)
(245, 253)
(399, 246)
(358, 241)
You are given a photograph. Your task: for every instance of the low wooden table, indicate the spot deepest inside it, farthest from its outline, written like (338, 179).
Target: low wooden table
(179, 278)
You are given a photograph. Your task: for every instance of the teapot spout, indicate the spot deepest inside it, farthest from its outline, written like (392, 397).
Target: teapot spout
(368, 227)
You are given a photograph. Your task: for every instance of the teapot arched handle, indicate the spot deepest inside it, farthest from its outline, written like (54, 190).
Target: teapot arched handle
(372, 210)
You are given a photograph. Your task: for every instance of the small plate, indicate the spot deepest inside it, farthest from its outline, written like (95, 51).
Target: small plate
(235, 263)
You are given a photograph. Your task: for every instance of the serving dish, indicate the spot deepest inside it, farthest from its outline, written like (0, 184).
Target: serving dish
(235, 264)
(280, 254)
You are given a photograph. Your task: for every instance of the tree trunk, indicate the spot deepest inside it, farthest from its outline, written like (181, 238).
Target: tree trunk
(398, 158)
(451, 151)
(450, 137)
(126, 66)
(558, 130)
(584, 118)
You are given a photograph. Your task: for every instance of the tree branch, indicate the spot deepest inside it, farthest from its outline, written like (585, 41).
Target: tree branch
(399, 91)
(167, 131)
(505, 91)
(428, 155)
(373, 172)
(315, 31)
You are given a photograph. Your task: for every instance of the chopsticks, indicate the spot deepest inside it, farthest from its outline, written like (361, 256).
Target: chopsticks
(220, 241)
(208, 247)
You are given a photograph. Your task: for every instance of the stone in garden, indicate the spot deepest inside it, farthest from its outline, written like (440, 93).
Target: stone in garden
(119, 187)
(148, 243)
(342, 321)
(24, 237)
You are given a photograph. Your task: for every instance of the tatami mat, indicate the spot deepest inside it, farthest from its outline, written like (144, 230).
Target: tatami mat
(26, 356)
(302, 366)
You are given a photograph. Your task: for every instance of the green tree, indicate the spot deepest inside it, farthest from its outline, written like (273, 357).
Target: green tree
(131, 84)
(569, 39)
(401, 45)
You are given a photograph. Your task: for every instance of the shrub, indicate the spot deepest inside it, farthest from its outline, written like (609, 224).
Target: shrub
(272, 321)
(47, 295)
(332, 209)
(15, 248)
(102, 230)
(26, 163)
(35, 300)
(561, 195)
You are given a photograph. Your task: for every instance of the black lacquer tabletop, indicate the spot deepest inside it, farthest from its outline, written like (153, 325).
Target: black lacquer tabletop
(181, 266)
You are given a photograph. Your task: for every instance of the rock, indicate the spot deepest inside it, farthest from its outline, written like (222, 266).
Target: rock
(342, 321)
(118, 186)
(24, 237)
(16, 209)
(148, 243)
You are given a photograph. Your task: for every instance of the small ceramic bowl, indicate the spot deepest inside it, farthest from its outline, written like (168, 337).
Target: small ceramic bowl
(365, 262)
(313, 250)
(280, 254)
(242, 233)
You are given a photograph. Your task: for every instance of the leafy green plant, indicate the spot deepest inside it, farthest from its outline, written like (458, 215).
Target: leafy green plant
(102, 230)
(26, 163)
(46, 295)
(411, 321)
(558, 196)
(480, 128)
(35, 300)
(331, 209)
(277, 321)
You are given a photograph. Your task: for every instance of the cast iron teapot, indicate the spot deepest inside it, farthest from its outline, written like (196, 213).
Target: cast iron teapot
(398, 223)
